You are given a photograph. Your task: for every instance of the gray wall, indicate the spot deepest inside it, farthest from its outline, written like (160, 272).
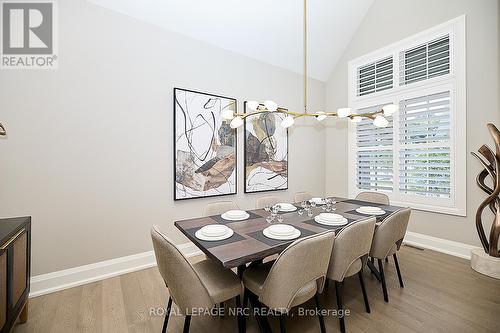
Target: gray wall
(388, 21)
(89, 152)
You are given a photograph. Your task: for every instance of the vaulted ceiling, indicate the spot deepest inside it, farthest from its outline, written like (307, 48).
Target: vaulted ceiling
(267, 30)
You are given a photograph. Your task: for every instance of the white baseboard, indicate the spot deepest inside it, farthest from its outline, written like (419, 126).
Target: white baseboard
(439, 244)
(72, 277)
(68, 278)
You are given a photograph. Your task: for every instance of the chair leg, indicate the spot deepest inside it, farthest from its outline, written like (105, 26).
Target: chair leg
(386, 259)
(187, 322)
(240, 317)
(165, 322)
(338, 292)
(320, 316)
(283, 323)
(222, 309)
(382, 277)
(363, 289)
(397, 269)
(245, 298)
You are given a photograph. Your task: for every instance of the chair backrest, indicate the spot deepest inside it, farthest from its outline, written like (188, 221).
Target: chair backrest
(375, 197)
(390, 233)
(268, 200)
(184, 285)
(352, 244)
(302, 196)
(219, 207)
(302, 262)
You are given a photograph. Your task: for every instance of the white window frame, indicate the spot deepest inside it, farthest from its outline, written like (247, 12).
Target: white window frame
(455, 82)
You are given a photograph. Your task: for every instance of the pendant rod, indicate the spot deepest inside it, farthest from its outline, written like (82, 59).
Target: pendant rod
(305, 56)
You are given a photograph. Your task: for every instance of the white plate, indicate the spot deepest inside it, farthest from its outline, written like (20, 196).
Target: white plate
(331, 217)
(296, 234)
(225, 217)
(214, 230)
(235, 213)
(287, 207)
(281, 229)
(317, 219)
(370, 209)
(381, 212)
(198, 234)
(317, 201)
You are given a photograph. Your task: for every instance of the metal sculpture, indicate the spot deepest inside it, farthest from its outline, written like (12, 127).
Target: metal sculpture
(491, 165)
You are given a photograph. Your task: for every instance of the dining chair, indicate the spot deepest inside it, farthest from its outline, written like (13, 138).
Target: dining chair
(375, 197)
(219, 207)
(193, 286)
(268, 200)
(387, 240)
(302, 196)
(349, 256)
(297, 275)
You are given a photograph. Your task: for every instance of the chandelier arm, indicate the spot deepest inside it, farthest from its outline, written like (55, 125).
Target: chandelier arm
(298, 114)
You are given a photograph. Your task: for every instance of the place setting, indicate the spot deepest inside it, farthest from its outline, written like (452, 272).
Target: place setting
(281, 232)
(331, 219)
(371, 210)
(285, 207)
(234, 215)
(214, 232)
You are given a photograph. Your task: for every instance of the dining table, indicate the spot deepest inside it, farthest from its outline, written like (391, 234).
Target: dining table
(248, 244)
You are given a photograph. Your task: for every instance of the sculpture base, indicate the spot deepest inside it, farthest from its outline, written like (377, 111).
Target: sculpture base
(485, 264)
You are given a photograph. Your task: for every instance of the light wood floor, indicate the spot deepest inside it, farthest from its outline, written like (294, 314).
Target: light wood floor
(442, 294)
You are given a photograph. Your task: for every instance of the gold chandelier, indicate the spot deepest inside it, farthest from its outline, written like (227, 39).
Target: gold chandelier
(270, 106)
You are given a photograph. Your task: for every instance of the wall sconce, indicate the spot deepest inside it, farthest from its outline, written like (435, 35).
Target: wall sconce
(3, 132)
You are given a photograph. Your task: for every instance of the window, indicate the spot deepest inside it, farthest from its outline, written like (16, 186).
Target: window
(425, 61)
(419, 159)
(374, 77)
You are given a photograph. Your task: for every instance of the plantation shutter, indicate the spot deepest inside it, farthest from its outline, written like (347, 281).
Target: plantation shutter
(425, 61)
(376, 76)
(424, 138)
(374, 161)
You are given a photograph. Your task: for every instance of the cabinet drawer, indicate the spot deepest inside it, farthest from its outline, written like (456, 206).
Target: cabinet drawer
(19, 260)
(3, 288)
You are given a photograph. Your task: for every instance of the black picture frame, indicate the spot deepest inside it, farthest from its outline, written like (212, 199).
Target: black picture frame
(176, 198)
(245, 158)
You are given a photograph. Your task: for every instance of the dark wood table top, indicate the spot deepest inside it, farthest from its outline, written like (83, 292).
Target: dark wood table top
(249, 244)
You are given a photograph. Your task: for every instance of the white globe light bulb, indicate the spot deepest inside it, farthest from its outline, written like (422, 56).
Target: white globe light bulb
(356, 119)
(288, 121)
(271, 105)
(343, 112)
(321, 116)
(390, 109)
(253, 105)
(227, 114)
(380, 121)
(236, 122)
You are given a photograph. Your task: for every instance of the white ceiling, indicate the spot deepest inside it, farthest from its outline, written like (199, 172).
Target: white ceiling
(266, 30)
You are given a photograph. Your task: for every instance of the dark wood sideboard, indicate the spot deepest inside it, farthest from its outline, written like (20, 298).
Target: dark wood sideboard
(15, 264)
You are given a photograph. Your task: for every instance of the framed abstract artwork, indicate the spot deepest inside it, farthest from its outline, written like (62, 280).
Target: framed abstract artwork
(266, 152)
(204, 146)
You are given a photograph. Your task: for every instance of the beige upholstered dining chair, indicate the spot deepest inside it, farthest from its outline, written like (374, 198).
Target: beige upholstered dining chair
(387, 241)
(349, 255)
(375, 197)
(193, 286)
(297, 275)
(268, 200)
(302, 196)
(219, 207)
